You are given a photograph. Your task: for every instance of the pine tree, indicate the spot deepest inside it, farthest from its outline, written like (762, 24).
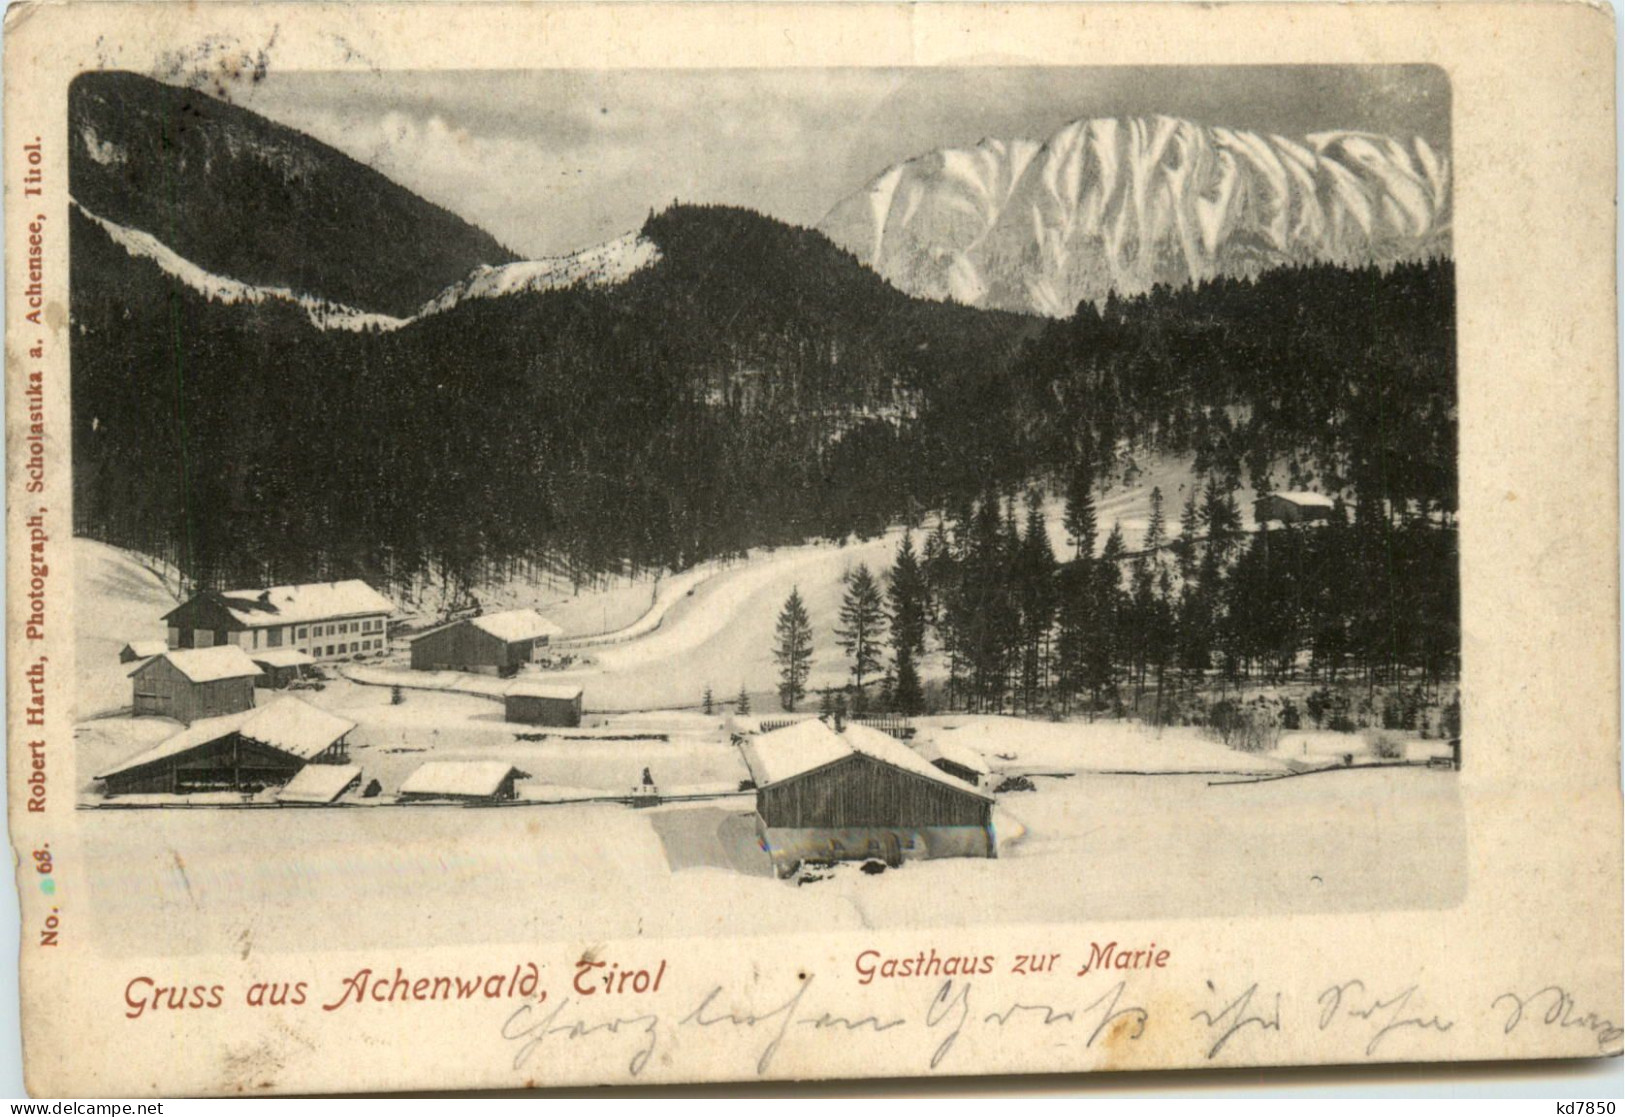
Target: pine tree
(1190, 523)
(906, 593)
(793, 650)
(1108, 636)
(742, 703)
(863, 625)
(1080, 508)
(708, 704)
(1035, 585)
(907, 698)
(1154, 531)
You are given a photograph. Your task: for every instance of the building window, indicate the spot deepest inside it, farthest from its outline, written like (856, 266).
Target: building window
(303, 634)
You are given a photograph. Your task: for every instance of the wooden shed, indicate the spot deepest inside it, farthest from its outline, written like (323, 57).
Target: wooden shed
(281, 666)
(467, 781)
(246, 751)
(823, 795)
(200, 683)
(955, 759)
(141, 649)
(317, 785)
(1293, 507)
(537, 703)
(496, 643)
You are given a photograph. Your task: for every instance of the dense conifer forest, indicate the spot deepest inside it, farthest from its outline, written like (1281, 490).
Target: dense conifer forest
(757, 386)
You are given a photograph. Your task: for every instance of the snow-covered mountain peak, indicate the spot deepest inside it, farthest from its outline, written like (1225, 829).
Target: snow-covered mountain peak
(1108, 204)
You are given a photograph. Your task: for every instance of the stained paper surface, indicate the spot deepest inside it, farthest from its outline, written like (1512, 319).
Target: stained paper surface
(617, 544)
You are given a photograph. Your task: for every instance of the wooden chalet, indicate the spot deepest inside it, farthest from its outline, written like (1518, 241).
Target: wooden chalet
(823, 795)
(536, 703)
(188, 685)
(466, 781)
(246, 752)
(325, 620)
(495, 643)
(1293, 507)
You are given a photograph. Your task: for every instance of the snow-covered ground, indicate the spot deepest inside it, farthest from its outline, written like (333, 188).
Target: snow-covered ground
(1018, 746)
(1086, 844)
(1086, 849)
(672, 636)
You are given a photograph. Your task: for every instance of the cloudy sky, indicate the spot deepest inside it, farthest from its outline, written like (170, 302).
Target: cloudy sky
(551, 161)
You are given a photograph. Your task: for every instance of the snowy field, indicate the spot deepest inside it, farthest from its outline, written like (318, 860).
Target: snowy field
(1088, 848)
(1124, 822)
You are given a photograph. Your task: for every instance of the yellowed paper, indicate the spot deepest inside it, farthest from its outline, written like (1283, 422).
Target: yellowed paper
(424, 419)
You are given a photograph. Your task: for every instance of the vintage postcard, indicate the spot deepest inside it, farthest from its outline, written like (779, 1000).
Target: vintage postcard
(615, 543)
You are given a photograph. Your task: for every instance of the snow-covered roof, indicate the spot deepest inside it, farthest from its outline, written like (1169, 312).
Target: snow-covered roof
(458, 777)
(313, 601)
(145, 649)
(527, 688)
(295, 727)
(1307, 499)
(811, 744)
(793, 750)
(319, 783)
(933, 749)
(282, 657)
(207, 665)
(516, 625)
(289, 725)
(200, 732)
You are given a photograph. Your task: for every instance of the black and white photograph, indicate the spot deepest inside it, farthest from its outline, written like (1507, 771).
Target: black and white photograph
(870, 542)
(1039, 487)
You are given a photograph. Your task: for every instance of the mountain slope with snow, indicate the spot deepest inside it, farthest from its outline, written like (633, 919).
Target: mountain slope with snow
(1110, 205)
(603, 265)
(242, 196)
(324, 315)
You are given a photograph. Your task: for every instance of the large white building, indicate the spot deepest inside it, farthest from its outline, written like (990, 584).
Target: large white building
(325, 620)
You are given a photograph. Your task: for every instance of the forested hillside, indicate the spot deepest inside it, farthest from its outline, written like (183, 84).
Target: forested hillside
(244, 197)
(755, 385)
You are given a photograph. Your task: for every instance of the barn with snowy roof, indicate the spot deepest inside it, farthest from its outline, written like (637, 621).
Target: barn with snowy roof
(462, 781)
(1293, 507)
(858, 793)
(245, 751)
(325, 620)
(533, 702)
(491, 642)
(193, 684)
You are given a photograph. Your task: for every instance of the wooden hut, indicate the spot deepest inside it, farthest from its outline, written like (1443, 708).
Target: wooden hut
(1293, 507)
(245, 751)
(856, 794)
(141, 649)
(955, 759)
(281, 666)
(188, 685)
(467, 781)
(536, 703)
(496, 643)
(317, 785)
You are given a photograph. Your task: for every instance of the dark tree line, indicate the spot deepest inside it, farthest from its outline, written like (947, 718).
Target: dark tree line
(758, 386)
(1127, 625)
